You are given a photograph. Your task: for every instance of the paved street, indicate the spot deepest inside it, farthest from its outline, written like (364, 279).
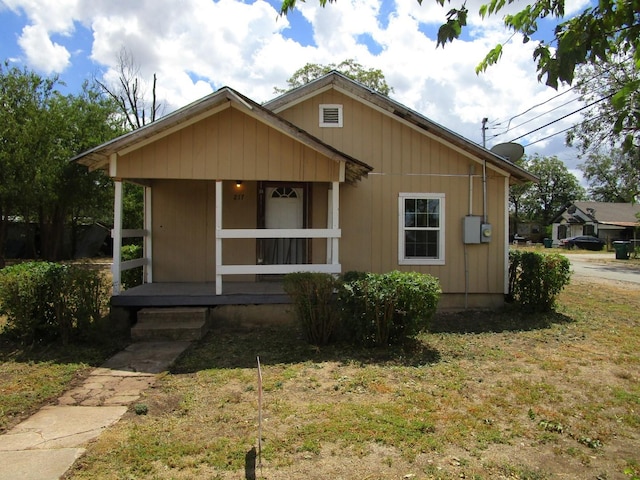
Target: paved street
(604, 266)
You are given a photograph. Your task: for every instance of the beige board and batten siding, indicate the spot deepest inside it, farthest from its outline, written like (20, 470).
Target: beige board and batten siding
(230, 145)
(182, 168)
(184, 228)
(406, 159)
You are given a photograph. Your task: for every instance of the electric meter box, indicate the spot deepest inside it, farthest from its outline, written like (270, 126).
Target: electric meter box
(485, 233)
(471, 229)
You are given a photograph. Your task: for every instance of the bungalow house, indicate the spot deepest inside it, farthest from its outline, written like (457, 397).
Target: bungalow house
(607, 221)
(329, 177)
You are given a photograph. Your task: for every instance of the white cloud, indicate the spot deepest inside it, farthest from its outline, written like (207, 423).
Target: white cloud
(196, 46)
(43, 54)
(52, 15)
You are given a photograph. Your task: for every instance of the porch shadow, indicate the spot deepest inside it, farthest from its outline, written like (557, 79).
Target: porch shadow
(507, 319)
(225, 347)
(228, 347)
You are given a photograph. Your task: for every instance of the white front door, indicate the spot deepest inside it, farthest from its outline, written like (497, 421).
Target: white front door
(284, 208)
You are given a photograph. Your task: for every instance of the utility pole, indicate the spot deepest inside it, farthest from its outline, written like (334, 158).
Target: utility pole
(484, 132)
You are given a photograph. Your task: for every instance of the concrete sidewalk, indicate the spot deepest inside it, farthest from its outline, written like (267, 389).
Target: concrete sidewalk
(46, 445)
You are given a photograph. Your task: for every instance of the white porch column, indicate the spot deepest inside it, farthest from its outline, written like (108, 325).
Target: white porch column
(218, 237)
(148, 240)
(335, 222)
(116, 234)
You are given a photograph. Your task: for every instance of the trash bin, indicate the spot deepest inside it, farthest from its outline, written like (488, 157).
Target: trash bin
(622, 249)
(548, 243)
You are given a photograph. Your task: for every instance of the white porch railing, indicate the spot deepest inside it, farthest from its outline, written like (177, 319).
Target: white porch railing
(332, 235)
(118, 266)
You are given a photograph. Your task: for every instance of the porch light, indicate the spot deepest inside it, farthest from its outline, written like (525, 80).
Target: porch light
(238, 183)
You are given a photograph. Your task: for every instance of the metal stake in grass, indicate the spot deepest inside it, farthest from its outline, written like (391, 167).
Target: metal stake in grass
(259, 414)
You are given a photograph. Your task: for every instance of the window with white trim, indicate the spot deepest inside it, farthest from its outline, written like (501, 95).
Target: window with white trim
(330, 115)
(421, 229)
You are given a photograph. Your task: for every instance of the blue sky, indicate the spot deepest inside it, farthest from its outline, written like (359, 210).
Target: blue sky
(197, 46)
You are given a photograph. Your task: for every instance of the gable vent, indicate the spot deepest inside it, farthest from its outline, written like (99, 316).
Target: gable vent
(330, 115)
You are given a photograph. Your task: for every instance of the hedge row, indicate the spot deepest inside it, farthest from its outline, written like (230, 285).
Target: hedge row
(47, 301)
(366, 308)
(384, 309)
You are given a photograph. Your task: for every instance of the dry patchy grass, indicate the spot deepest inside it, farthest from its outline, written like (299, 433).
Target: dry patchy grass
(485, 395)
(32, 376)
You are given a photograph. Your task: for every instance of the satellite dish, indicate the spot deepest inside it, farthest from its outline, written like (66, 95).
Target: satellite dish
(510, 151)
(571, 209)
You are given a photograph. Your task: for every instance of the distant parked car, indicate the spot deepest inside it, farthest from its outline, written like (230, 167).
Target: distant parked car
(586, 242)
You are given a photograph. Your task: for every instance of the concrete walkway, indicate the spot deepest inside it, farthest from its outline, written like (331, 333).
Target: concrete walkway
(46, 445)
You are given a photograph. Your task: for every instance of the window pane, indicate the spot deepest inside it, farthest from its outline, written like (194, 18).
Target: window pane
(410, 212)
(421, 243)
(434, 213)
(422, 212)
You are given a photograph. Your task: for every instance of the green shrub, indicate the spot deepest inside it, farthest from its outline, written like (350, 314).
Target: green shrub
(385, 309)
(44, 301)
(313, 296)
(132, 277)
(90, 292)
(535, 279)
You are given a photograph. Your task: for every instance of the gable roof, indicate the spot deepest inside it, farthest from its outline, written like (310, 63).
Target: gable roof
(604, 213)
(98, 157)
(381, 102)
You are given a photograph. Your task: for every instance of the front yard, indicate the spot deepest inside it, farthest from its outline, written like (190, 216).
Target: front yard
(483, 396)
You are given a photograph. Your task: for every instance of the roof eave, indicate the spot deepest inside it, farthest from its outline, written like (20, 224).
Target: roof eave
(98, 157)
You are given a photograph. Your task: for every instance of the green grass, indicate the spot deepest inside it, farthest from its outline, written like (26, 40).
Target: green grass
(33, 375)
(484, 395)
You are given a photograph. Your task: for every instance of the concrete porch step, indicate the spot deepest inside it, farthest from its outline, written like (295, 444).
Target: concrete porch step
(185, 324)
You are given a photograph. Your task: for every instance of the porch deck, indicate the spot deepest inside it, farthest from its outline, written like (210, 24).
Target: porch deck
(201, 294)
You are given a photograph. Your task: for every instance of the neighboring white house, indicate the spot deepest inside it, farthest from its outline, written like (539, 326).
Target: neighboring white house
(608, 221)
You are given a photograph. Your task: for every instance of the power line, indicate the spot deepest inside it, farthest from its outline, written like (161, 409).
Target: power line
(534, 107)
(564, 116)
(540, 115)
(585, 82)
(549, 136)
(562, 131)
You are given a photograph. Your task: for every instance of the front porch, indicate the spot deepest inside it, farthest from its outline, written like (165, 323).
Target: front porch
(195, 294)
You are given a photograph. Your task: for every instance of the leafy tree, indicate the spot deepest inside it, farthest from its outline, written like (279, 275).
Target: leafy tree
(614, 118)
(22, 96)
(369, 77)
(517, 194)
(613, 177)
(541, 201)
(40, 130)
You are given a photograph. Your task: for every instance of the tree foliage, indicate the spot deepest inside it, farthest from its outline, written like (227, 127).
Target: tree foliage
(613, 88)
(614, 176)
(40, 130)
(593, 36)
(541, 201)
(369, 77)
